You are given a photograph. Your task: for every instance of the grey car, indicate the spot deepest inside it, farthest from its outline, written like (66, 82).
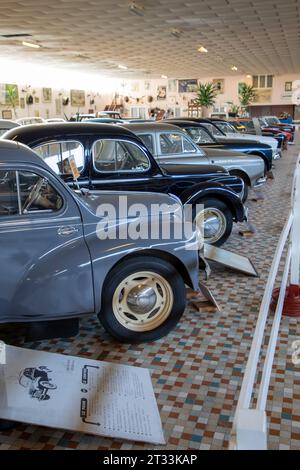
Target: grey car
(57, 261)
(171, 145)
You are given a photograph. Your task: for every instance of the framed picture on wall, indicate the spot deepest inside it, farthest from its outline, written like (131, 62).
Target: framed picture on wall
(219, 85)
(22, 103)
(172, 86)
(288, 86)
(47, 95)
(187, 86)
(161, 92)
(77, 98)
(36, 100)
(7, 114)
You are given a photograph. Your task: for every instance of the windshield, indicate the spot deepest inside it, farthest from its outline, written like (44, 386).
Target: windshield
(213, 129)
(226, 127)
(200, 135)
(272, 120)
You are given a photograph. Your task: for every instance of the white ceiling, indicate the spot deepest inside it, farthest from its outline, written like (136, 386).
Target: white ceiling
(258, 36)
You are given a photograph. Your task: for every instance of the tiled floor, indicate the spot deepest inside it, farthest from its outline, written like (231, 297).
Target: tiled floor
(197, 369)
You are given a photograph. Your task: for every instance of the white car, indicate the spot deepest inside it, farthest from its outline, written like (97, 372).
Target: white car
(231, 133)
(6, 124)
(55, 120)
(30, 120)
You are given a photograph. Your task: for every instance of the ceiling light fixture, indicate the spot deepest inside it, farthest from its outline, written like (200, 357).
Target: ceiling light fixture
(249, 76)
(202, 49)
(31, 44)
(234, 68)
(123, 67)
(136, 9)
(164, 76)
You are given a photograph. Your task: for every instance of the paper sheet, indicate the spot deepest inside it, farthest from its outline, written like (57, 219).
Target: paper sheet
(79, 394)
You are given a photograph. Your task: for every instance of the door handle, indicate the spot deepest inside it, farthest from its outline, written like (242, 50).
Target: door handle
(66, 231)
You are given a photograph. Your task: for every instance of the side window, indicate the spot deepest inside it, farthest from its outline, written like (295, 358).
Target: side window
(22, 192)
(148, 141)
(8, 193)
(57, 154)
(170, 143)
(200, 135)
(119, 156)
(188, 147)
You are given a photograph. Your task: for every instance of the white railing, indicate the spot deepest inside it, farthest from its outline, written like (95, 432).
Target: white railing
(250, 423)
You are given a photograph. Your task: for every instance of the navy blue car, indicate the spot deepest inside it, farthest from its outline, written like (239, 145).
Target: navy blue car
(113, 158)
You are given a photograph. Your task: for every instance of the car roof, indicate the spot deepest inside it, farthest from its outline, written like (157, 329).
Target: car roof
(151, 127)
(8, 124)
(185, 123)
(33, 131)
(15, 152)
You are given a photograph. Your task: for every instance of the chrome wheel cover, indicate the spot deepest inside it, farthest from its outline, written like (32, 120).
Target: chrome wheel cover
(143, 301)
(212, 224)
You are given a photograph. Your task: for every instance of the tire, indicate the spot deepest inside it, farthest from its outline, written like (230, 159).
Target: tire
(224, 217)
(121, 316)
(48, 385)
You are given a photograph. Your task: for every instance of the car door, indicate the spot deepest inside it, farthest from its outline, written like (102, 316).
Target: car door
(45, 263)
(119, 164)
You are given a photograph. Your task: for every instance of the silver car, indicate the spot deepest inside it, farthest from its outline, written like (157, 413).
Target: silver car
(169, 144)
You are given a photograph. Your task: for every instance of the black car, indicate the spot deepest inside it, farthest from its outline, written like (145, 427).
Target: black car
(249, 147)
(113, 158)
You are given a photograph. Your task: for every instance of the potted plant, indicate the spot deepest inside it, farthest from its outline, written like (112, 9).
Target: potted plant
(247, 95)
(233, 110)
(206, 94)
(12, 97)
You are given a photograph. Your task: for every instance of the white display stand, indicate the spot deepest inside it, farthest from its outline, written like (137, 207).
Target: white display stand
(79, 394)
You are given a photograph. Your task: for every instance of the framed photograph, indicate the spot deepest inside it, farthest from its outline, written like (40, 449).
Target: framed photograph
(172, 86)
(36, 100)
(187, 86)
(161, 92)
(288, 86)
(58, 106)
(219, 85)
(22, 103)
(263, 95)
(7, 114)
(47, 95)
(77, 98)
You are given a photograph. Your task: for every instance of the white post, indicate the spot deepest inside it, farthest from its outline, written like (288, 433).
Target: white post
(295, 233)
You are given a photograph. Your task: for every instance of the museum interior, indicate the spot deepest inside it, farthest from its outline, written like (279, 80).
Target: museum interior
(149, 225)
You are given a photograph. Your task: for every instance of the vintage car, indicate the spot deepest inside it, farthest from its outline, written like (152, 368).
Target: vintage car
(286, 129)
(25, 121)
(231, 132)
(6, 124)
(113, 158)
(274, 121)
(38, 382)
(204, 139)
(252, 129)
(170, 145)
(250, 147)
(64, 257)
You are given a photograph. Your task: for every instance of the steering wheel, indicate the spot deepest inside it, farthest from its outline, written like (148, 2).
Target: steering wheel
(33, 195)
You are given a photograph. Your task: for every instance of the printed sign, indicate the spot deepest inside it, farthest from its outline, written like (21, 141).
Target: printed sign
(2, 353)
(79, 394)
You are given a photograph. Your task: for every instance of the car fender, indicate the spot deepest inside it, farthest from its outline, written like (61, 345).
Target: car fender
(196, 193)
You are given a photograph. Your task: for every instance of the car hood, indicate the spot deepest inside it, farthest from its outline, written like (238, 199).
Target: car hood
(255, 138)
(226, 155)
(188, 166)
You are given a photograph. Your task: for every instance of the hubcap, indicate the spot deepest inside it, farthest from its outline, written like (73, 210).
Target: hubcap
(143, 301)
(212, 224)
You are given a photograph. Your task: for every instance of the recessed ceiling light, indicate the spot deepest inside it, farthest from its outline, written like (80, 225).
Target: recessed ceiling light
(249, 76)
(234, 68)
(123, 67)
(202, 49)
(31, 44)
(164, 76)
